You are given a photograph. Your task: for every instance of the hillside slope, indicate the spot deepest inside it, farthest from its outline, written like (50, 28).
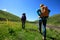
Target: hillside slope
(9, 16)
(54, 20)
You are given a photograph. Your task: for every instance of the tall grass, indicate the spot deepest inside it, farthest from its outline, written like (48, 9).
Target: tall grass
(14, 31)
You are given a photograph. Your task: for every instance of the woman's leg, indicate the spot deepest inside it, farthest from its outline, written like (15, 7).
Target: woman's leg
(44, 29)
(40, 24)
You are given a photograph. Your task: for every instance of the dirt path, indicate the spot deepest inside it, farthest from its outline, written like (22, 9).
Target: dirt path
(53, 27)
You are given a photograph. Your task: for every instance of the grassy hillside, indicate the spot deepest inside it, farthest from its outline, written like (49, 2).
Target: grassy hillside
(54, 20)
(14, 31)
(9, 16)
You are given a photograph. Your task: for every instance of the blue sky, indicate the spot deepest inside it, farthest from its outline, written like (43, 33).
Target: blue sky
(17, 7)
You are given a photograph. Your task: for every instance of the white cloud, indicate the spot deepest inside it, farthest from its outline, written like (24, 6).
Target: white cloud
(4, 9)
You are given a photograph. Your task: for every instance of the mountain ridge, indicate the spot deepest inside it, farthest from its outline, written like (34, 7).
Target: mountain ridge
(9, 16)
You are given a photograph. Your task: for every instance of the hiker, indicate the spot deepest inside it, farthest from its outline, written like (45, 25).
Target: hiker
(23, 19)
(43, 14)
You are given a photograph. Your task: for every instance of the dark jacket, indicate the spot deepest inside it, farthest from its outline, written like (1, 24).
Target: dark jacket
(39, 14)
(23, 18)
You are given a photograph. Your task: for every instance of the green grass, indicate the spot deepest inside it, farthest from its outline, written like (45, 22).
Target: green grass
(14, 31)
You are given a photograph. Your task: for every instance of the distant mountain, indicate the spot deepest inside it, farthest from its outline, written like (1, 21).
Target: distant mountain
(7, 15)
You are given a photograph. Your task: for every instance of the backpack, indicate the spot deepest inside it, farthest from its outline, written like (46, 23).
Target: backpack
(44, 12)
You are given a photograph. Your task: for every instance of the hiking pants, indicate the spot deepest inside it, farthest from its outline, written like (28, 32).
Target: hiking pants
(23, 24)
(42, 26)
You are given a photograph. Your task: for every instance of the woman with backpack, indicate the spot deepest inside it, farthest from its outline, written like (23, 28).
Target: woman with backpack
(43, 14)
